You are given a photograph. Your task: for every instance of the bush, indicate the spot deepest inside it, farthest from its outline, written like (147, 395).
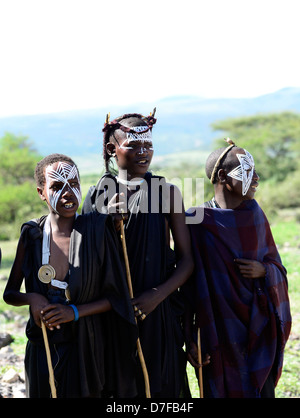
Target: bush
(18, 204)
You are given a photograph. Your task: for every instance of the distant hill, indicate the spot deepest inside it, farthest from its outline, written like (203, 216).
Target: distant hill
(183, 124)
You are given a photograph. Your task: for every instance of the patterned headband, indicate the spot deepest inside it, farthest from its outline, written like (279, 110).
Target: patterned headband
(115, 124)
(232, 144)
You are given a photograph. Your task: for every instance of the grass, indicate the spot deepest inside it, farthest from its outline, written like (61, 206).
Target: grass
(286, 234)
(8, 249)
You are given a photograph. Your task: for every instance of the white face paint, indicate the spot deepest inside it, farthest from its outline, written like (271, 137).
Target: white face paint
(145, 138)
(244, 171)
(64, 173)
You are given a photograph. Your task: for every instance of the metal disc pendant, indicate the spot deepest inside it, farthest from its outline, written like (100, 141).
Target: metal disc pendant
(46, 273)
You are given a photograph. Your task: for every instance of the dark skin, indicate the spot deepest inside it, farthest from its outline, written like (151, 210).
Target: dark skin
(228, 194)
(62, 220)
(133, 159)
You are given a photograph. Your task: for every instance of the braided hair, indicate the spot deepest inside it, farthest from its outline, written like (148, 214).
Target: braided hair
(124, 123)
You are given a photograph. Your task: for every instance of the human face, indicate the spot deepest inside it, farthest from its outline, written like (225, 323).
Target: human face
(245, 179)
(62, 188)
(134, 154)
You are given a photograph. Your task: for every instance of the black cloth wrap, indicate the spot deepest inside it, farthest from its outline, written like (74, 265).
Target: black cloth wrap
(95, 356)
(152, 262)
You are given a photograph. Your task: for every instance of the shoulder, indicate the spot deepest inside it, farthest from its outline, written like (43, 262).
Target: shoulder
(91, 217)
(105, 182)
(93, 220)
(149, 177)
(95, 227)
(259, 213)
(253, 206)
(174, 189)
(33, 228)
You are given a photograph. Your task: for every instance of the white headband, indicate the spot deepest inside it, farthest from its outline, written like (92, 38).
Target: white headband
(143, 134)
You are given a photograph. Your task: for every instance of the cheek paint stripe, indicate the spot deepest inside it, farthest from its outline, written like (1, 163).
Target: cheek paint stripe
(63, 173)
(241, 172)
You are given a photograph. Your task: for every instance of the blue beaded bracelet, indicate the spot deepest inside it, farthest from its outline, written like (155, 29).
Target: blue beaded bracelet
(75, 312)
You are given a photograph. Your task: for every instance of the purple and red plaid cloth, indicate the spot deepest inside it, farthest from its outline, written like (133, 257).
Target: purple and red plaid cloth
(244, 323)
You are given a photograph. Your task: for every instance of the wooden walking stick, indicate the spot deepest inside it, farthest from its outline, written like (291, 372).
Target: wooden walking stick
(200, 362)
(129, 283)
(50, 368)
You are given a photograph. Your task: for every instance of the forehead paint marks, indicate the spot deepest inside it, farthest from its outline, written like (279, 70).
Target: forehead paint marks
(244, 171)
(63, 174)
(143, 134)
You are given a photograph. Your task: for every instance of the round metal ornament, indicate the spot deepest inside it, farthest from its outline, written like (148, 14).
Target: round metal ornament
(46, 273)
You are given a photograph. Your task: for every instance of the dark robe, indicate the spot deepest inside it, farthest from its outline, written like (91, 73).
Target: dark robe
(94, 356)
(151, 262)
(244, 323)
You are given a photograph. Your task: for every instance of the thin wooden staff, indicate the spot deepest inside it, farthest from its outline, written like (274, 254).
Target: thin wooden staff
(138, 343)
(50, 368)
(200, 362)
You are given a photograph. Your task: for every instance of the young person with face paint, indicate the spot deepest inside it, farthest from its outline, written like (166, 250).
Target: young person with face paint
(75, 284)
(148, 221)
(238, 292)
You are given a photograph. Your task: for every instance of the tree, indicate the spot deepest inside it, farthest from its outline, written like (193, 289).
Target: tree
(18, 197)
(272, 139)
(18, 158)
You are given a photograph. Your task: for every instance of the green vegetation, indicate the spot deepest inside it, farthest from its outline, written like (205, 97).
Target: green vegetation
(273, 140)
(286, 234)
(18, 197)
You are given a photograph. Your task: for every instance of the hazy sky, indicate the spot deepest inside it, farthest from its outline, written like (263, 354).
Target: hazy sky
(70, 54)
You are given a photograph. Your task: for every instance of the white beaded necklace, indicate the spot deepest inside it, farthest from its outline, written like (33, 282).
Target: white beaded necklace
(129, 183)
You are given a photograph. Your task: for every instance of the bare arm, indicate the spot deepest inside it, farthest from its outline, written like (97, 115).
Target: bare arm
(55, 314)
(12, 294)
(149, 299)
(52, 314)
